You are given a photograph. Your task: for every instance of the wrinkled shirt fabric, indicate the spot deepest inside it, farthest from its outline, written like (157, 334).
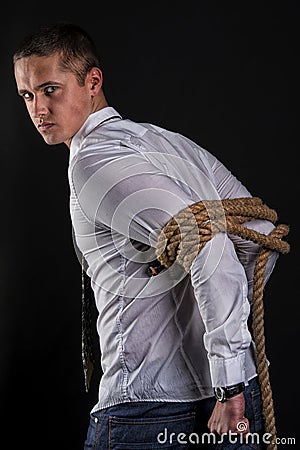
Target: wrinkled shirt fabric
(174, 336)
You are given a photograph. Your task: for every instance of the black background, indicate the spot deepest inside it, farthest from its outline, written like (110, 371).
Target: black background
(224, 75)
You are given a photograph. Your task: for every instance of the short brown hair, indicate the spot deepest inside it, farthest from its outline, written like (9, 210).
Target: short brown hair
(77, 49)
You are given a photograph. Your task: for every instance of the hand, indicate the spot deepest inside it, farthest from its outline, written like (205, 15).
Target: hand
(229, 416)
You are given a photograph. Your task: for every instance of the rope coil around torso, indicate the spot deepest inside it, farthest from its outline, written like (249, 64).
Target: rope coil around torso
(184, 236)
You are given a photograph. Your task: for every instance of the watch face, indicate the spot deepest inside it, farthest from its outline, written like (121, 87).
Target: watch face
(220, 394)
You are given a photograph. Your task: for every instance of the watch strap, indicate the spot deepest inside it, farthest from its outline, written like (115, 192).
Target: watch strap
(224, 393)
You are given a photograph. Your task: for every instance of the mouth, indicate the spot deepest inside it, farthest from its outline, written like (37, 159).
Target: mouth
(44, 126)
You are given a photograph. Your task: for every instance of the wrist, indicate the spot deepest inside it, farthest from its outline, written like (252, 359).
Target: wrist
(224, 393)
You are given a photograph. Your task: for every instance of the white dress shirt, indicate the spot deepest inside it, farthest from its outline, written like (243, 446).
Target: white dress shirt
(174, 336)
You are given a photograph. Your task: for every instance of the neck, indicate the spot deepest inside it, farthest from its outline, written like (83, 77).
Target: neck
(98, 103)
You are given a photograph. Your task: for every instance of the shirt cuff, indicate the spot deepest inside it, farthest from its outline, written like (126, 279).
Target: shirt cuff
(226, 372)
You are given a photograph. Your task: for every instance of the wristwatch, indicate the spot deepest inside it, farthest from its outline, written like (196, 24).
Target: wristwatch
(224, 393)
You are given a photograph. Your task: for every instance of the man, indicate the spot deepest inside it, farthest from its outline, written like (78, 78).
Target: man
(167, 341)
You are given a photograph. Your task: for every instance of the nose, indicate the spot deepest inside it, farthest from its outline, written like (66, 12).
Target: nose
(39, 107)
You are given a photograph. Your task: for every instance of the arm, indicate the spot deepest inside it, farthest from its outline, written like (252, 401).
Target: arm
(226, 416)
(247, 251)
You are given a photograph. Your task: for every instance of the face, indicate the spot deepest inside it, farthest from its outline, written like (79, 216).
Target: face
(56, 103)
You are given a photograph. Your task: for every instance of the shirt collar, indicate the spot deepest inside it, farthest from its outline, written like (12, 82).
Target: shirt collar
(94, 120)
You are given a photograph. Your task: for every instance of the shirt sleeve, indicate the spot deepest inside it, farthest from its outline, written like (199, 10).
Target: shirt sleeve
(132, 196)
(247, 251)
(224, 287)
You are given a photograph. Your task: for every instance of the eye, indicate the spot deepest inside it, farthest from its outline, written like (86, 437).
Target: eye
(49, 90)
(27, 96)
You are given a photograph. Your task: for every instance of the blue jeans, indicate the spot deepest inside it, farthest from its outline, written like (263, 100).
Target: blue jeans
(167, 425)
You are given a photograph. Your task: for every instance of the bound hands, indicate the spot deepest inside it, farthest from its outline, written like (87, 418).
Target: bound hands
(229, 417)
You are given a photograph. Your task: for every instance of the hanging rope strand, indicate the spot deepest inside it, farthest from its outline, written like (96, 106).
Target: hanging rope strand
(187, 233)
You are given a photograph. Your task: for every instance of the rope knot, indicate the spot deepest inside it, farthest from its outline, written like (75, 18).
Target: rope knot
(183, 237)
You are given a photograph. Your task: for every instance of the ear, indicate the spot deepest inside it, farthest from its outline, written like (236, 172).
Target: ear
(94, 80)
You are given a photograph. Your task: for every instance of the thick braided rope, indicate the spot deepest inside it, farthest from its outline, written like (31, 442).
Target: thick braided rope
(186, 234)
